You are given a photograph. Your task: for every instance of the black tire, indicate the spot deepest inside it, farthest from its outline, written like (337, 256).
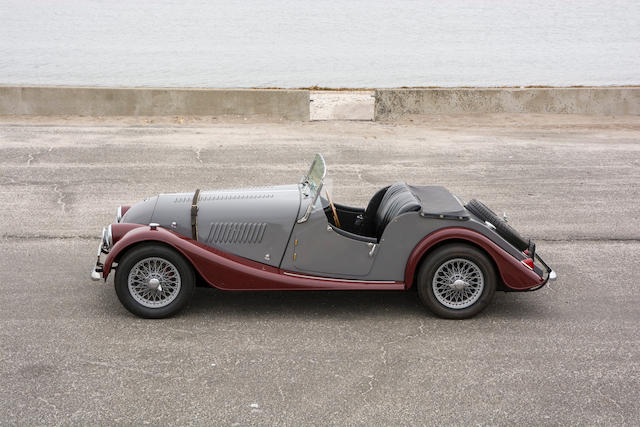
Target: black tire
(446, 255)
(507, 232)
(152, 251)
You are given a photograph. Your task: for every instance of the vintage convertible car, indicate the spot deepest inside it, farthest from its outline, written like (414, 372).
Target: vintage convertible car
(291, 238)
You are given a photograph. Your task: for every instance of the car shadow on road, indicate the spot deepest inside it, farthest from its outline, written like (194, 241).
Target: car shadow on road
(318, 304)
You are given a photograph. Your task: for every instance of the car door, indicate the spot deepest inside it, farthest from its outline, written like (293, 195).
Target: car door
(315, 247)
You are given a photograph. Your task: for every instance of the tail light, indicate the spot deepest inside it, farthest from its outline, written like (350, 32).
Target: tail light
(528, 262)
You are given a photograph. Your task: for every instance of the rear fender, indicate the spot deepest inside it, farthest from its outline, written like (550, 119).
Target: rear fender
(513, 273)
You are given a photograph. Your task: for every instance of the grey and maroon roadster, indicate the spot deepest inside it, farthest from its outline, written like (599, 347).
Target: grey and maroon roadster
(291, 238)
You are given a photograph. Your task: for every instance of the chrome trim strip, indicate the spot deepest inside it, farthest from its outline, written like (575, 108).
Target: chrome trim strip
(119, 214)
(109, 237)
(333, 279)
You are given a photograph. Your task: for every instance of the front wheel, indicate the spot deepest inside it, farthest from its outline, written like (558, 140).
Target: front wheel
(456, 281)
(154, 281)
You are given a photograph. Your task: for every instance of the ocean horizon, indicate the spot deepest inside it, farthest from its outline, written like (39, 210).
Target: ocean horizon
(286, 43)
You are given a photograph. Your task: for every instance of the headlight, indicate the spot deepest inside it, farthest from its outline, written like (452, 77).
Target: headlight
(107, 238)
(121, 211)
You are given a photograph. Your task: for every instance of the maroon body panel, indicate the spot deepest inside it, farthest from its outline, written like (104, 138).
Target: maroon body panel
(119, 230)
(231, 272)
(513, 273)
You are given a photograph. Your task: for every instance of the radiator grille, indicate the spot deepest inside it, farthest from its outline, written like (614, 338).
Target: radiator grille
(236, 232)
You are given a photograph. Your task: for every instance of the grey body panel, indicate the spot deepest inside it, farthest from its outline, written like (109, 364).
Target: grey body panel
(404, 233)
(142, 212)
(327, 253)
(254, 223)
(321, 251)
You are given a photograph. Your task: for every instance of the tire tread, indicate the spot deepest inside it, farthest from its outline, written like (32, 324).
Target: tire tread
(442, 254)
(133, 255)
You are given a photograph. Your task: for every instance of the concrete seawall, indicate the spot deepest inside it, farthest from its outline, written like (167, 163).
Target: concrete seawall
(94, 101)
(392, 104)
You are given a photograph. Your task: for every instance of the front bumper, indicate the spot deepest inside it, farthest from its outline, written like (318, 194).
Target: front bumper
(103, 248)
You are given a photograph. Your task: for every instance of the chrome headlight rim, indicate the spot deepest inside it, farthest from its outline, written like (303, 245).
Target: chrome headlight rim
(107, 238)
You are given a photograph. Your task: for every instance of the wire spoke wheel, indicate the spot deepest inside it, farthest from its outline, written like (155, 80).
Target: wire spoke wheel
(458, 283)
(154, 282)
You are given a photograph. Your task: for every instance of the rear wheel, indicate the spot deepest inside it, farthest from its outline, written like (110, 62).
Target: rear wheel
(456, 281)
(154, 281)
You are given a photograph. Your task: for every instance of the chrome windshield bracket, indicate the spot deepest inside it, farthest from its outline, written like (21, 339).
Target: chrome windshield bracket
(310, 207)
(306, 215)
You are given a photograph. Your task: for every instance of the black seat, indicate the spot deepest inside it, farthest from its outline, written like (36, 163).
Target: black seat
(398, 199)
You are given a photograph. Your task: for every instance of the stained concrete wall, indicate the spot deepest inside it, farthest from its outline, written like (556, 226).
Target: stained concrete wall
(93, 101)
(394, 104)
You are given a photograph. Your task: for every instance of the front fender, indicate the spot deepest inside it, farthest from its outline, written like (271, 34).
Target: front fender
(204, 259)
(141, 233)
(512, 272)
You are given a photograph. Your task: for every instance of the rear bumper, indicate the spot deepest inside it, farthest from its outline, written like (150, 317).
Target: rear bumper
(549, 274)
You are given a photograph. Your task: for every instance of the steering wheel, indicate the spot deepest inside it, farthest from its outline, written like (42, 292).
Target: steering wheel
(333, 209)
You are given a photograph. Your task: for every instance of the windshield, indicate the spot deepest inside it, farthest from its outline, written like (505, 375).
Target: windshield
(316, 174)
(312, 183)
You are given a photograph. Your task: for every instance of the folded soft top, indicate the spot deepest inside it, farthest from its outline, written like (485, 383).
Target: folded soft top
(438, 202)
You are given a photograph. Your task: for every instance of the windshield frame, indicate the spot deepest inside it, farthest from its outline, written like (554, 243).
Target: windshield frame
(313, 183)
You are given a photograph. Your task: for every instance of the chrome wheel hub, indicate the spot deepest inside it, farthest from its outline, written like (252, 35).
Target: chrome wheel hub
(458, 283)
(154, 282)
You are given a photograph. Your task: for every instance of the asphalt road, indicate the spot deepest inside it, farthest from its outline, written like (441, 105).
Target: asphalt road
(568, 354)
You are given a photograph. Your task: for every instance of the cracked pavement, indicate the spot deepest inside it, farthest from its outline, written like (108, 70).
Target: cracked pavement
(567, 354)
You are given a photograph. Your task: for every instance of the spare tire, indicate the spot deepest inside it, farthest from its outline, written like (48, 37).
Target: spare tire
(507, 232)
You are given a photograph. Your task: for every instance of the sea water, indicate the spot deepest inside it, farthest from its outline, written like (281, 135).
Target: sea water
(335, 43)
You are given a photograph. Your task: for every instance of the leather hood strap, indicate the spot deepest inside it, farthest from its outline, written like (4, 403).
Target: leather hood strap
(194, 215)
